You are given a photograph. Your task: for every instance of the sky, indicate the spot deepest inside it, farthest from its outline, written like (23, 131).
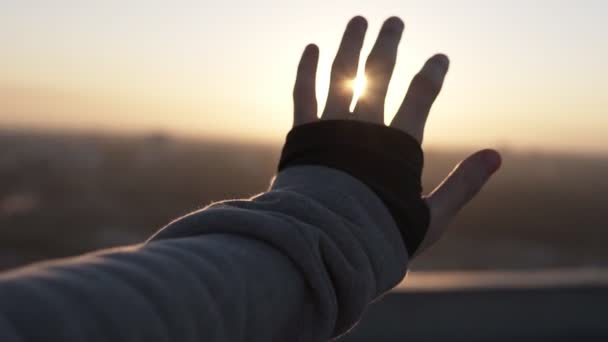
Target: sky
(523, 74)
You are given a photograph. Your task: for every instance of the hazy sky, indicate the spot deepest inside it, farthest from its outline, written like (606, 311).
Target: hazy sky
(523, 73)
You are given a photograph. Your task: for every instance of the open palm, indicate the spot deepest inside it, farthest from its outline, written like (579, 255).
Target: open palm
(468, 177)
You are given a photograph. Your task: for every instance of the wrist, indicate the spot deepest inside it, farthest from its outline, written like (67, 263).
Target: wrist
(387, 160)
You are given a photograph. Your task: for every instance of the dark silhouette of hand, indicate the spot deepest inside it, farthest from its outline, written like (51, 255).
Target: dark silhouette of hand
(467, 178)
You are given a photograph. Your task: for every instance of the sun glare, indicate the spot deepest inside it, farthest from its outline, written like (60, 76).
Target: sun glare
(358, 85)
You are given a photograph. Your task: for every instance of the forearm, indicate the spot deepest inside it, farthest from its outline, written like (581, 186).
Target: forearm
(299, 262)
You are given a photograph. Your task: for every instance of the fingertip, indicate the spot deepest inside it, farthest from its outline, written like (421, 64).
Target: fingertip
(394, 23)
(491, 159)
(308, 61)
(304, 97)
(311, 49)
(358, 22)
(440, 60)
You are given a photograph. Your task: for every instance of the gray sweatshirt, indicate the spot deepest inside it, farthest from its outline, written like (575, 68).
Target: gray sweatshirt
(299, 262)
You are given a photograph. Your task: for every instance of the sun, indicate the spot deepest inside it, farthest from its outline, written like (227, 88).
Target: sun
(358, 85)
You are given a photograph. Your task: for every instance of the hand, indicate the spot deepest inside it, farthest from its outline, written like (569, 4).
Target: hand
(467, 178)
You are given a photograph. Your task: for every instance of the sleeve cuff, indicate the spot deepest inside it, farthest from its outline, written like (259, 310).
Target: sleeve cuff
(387, 160)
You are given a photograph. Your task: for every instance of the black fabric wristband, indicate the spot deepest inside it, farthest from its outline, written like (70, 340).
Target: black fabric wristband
(388, 160)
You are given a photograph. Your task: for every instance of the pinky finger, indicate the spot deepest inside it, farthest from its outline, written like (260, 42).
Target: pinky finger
(304, 96)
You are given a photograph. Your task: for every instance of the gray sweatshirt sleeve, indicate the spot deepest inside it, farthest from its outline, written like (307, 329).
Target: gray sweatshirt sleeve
(299, 262)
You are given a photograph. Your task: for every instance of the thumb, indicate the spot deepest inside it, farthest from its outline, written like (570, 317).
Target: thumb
(458, 188)
(464, 182)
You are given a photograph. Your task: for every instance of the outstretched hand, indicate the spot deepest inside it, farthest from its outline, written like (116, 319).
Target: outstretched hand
(467, 178)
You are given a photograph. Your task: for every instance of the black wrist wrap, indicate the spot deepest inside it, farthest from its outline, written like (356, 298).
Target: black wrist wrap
(388, 160)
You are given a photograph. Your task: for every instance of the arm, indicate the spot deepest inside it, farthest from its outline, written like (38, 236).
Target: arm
(299, 262)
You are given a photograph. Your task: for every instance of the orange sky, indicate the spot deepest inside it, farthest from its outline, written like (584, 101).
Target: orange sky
(527, 76)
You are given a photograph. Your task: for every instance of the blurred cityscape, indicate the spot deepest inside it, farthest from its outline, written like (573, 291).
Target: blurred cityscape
(64, 194)
(525, 261)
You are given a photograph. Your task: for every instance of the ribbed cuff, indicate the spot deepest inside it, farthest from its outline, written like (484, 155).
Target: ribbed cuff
(387, 160)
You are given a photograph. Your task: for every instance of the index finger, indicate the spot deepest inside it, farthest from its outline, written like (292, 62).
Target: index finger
(420, 96)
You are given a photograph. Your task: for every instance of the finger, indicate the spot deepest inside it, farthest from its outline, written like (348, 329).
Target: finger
(304, 97)
(462, 184)
(378, 71)
(344, 69)
(458, 188)
(420, 96)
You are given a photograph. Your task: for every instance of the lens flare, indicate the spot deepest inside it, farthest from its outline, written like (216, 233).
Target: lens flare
(358, 85)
